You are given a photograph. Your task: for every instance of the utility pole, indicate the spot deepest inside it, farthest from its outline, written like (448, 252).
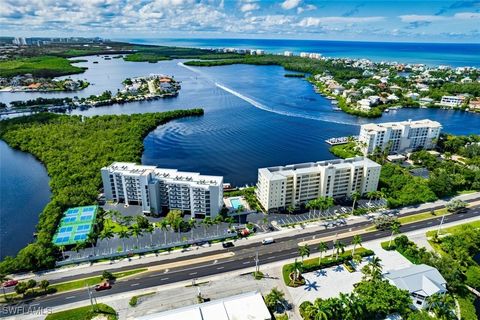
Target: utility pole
(440, 226)
(256, 263)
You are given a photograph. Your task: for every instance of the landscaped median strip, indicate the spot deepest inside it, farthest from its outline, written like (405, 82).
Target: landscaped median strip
(189, 262)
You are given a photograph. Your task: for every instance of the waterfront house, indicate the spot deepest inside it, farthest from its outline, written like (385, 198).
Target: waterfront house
(452, 101)
(364, 104)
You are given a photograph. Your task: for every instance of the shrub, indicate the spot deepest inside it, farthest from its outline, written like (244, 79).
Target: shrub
(473, 277)
(133, 301)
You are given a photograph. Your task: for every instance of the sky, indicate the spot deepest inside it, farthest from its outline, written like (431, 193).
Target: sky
(372, 20)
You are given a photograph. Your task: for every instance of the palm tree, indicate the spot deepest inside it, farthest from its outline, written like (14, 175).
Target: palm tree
(62, 250)
(322, 247)
(137, 232)
(44, 285)
(318, 311)
(207, 222)
(351, 308)
(164, 228)
(357, 240)
(230, 222)
(373, 269)
(304, 251)
(218, 219)
(339, 246)
(149, 229)
(296, 270)
(395, 228)
(124, 234)
(91, 239)
(355, 196)
(274, 299)
(371, 195)
(290, 209)
(192, 224)
(107, 233)
(441, 305)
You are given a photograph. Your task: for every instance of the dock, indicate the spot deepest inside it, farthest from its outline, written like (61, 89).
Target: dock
(341, 140)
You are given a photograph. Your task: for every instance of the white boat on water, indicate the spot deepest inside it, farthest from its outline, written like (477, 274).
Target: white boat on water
(387, 110)
(334, 102)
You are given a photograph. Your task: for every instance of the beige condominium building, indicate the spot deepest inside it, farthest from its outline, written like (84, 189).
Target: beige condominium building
(157, 189)
(404, 136)
(296, 184)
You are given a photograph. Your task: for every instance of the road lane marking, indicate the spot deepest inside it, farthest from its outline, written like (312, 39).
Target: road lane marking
(134, 284)
(71, 297)
(184, 263)
(246, 262)
(163, 279)
(220, 268)
(192, 273)
(269, 258)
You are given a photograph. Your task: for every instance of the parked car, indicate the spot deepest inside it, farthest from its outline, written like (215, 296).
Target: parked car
(268, 241)
(103, 286)
(228, 244)
(10, 283)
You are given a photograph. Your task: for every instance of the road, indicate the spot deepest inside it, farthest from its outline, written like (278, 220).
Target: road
(283, 248)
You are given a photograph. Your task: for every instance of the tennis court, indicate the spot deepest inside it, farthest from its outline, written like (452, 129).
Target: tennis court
(75, 226)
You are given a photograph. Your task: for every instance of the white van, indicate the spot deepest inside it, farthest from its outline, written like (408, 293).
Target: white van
(268, 241)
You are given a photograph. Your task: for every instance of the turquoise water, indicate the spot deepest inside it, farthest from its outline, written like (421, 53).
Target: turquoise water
(236, 203)
(453, 54)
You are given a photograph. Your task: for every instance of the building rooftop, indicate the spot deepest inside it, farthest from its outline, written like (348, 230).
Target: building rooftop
(247, 306)
(421, 279)
(279, 172)
(412, 123)
(132, 169)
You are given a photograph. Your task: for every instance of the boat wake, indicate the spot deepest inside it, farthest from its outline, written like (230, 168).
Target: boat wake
(263, 107)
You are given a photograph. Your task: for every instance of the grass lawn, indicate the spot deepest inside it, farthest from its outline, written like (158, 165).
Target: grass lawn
(423, 216)
(116, 227)
(42, 66)
(346, 150)
(85, 313)
(454, 229)
(79, 284)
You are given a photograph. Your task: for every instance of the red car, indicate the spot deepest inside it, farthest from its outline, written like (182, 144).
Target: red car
(103, 286)
(10, 283)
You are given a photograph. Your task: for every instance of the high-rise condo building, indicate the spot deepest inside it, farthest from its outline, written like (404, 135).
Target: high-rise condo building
(155, 189)
(296, 184)
(400, 137)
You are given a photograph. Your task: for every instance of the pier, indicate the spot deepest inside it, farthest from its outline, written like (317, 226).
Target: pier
(341, 140)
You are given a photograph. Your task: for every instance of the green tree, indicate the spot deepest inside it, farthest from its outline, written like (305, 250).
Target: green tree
(304, 251)
(207, 222)
(192, 224)
(21, 288)
(395, 228)
(124, 234)
(137, 233)
(164, 227)
(356, 241)
(275, 300)
(339, 246)
(44, 284)
(322, 247)
(355, 197)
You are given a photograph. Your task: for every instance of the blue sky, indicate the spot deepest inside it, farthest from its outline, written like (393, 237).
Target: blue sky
(391, 20)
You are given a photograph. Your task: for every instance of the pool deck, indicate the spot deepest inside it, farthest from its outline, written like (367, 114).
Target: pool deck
(232, 207)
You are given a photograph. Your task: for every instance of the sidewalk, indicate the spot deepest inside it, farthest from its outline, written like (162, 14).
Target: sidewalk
(194, 252)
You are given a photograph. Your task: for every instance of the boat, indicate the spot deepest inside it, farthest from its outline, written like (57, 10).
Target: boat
(387, 110)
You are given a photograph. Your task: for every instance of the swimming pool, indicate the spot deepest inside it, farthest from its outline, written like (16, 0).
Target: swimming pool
(236, 202)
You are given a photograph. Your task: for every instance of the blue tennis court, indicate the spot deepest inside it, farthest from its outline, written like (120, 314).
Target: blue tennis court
(75, 225)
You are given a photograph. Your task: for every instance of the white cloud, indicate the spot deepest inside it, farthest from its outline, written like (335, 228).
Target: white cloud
(420, 18)
(316, 21)
(249, 7)
(467, 15)
(308, 7)
(290, 4)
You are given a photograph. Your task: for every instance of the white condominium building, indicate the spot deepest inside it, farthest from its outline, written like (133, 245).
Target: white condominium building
(156, 189)
(452, 101)
(296, 184)
(400, 137)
